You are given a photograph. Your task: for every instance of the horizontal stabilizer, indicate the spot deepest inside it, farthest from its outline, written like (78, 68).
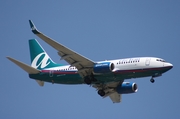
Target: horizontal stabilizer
(25, 67)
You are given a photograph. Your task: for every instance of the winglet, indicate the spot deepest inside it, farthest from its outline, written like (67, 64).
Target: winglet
(33, 28)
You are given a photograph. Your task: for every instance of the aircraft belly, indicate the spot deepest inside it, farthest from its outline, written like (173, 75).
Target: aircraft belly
(60, 79)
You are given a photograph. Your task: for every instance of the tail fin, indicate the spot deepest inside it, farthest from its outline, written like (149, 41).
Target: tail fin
(39, 57)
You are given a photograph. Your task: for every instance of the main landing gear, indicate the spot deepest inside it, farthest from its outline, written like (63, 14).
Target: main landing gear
(89, 79)
(101, 93)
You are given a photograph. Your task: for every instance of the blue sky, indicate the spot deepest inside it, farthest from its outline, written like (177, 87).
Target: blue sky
(99, 30)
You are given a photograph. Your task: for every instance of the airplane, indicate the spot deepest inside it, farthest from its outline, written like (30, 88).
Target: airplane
(108, 76)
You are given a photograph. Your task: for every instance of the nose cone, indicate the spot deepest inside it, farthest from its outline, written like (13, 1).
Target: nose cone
(168, 65)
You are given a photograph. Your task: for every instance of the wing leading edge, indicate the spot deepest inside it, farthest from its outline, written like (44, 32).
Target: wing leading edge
(83, 64)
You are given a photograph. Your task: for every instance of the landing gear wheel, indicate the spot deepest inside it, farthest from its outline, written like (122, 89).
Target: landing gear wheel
(87, 81)
(92, 78)
(152, 80)
(101, 93)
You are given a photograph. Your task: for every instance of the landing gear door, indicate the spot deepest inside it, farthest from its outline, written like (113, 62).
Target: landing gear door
(147, 62)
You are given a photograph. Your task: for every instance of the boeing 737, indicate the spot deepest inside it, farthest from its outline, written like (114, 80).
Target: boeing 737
(108, 76)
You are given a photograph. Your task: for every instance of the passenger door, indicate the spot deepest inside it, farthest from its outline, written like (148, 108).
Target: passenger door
(147, 62)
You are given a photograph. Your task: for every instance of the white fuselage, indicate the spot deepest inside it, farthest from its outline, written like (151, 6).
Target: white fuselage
(127, 64)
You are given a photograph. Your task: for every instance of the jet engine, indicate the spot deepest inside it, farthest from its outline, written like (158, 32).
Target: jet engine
(105, 67)
(127, 87)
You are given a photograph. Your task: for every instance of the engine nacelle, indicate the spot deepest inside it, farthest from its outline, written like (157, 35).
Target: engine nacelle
(127, 87)
(105, 67)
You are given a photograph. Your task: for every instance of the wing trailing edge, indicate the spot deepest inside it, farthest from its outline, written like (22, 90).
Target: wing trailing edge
(24, 66)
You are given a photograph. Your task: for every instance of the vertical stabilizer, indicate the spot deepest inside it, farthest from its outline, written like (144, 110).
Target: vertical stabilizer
(39, 58)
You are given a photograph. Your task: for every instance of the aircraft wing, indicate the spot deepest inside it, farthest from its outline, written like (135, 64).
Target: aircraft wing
(115, 97)
(83, 64)
(110, 90)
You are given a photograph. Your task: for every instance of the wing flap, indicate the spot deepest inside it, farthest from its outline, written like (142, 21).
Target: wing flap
(25, 67)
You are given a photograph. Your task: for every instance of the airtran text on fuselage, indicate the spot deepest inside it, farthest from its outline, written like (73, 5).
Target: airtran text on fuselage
(129, 60)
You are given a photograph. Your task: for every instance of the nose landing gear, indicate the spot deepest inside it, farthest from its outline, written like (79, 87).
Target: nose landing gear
(154, 76)
(152, 80)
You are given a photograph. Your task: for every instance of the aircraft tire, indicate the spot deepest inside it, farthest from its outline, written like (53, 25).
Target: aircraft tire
(87, 81)
(101, 93)
(152, 80)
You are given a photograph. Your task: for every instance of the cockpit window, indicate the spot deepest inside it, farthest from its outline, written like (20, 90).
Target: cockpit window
(160, 60)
